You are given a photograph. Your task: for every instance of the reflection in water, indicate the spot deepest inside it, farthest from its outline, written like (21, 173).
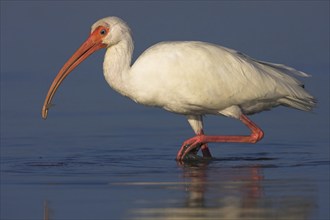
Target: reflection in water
(232, 193)
(46, 210)
(246, 183)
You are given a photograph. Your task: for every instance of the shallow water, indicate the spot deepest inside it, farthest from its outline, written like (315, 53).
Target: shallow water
(116, 161)
(101, 183)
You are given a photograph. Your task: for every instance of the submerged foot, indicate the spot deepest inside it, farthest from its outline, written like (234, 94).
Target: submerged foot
(190, 148)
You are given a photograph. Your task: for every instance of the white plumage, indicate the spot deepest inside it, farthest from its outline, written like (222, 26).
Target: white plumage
(201, 78)
(194, 78)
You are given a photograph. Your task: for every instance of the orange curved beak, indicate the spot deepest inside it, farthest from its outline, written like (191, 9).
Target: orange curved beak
(92, 44)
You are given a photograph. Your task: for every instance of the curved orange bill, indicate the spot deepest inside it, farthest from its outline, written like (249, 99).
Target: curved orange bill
(92, 44)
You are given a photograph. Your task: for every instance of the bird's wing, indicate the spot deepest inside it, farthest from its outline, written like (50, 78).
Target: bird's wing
(198, 77)
(291, 89)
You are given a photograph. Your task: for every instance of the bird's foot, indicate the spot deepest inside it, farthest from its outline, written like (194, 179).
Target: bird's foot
(190, 148)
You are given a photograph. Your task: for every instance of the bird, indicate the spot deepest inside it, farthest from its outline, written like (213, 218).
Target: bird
(191, 78)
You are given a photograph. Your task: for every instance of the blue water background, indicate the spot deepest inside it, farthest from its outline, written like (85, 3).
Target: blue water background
(101, 156)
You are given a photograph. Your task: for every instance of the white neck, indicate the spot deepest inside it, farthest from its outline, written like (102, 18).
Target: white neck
(117, 64)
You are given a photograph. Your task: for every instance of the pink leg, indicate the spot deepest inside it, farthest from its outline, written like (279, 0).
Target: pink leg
(201, 139)
(203, 146)
(205, 150)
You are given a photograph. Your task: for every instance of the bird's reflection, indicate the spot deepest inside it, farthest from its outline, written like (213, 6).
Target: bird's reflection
(212, 192)
(244, 181)
(196, 177)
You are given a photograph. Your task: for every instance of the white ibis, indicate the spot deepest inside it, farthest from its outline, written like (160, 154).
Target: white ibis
(191, 78)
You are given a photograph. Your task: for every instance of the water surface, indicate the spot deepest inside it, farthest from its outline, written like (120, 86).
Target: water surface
(83, 163)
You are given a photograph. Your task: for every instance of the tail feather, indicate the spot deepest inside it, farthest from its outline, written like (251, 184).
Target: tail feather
(285, 69)
(296, 96)
(287, 86)
(306, 104)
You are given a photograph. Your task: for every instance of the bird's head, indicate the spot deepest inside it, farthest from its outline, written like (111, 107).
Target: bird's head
(112, 29)
(104, 33)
